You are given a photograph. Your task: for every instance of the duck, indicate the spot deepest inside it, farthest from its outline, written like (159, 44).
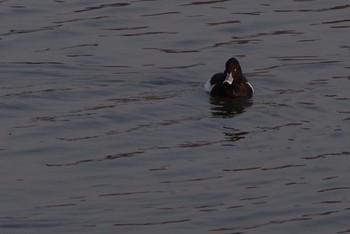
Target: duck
(231, 83)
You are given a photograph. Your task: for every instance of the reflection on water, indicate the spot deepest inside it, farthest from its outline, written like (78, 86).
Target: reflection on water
(105, 127)
(227, 107)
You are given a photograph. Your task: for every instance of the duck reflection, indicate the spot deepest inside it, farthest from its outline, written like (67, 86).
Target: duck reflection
(228, 107)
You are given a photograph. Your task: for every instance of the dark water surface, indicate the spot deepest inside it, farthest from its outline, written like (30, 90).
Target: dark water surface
(105, 127)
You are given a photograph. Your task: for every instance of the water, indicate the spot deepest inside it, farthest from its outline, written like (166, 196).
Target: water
(106, 127)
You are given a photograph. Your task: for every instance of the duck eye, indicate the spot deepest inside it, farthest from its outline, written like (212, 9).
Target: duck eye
(235, 69)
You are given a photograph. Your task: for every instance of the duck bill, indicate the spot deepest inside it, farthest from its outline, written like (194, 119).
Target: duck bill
(229, 78)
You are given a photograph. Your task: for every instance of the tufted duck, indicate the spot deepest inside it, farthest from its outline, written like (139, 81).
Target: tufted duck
(231, 83)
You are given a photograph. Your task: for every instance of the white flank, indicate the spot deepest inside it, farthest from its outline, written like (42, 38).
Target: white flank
(251, 86)
(208, 87)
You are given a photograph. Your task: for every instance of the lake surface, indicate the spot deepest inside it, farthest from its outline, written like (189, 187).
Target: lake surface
(105, 127)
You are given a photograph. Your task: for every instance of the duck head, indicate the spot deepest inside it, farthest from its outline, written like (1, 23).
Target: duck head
(233, 71)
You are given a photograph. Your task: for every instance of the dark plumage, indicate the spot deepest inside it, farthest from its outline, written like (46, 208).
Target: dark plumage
(231, 83)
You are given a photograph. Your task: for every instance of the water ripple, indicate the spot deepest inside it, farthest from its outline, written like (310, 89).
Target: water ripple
(153, 223)
(108, 157)
(25, 31)
(102, 6)
(163, 13)
(338, 7)
(224, 22)
(147, 33)
(205, 2)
